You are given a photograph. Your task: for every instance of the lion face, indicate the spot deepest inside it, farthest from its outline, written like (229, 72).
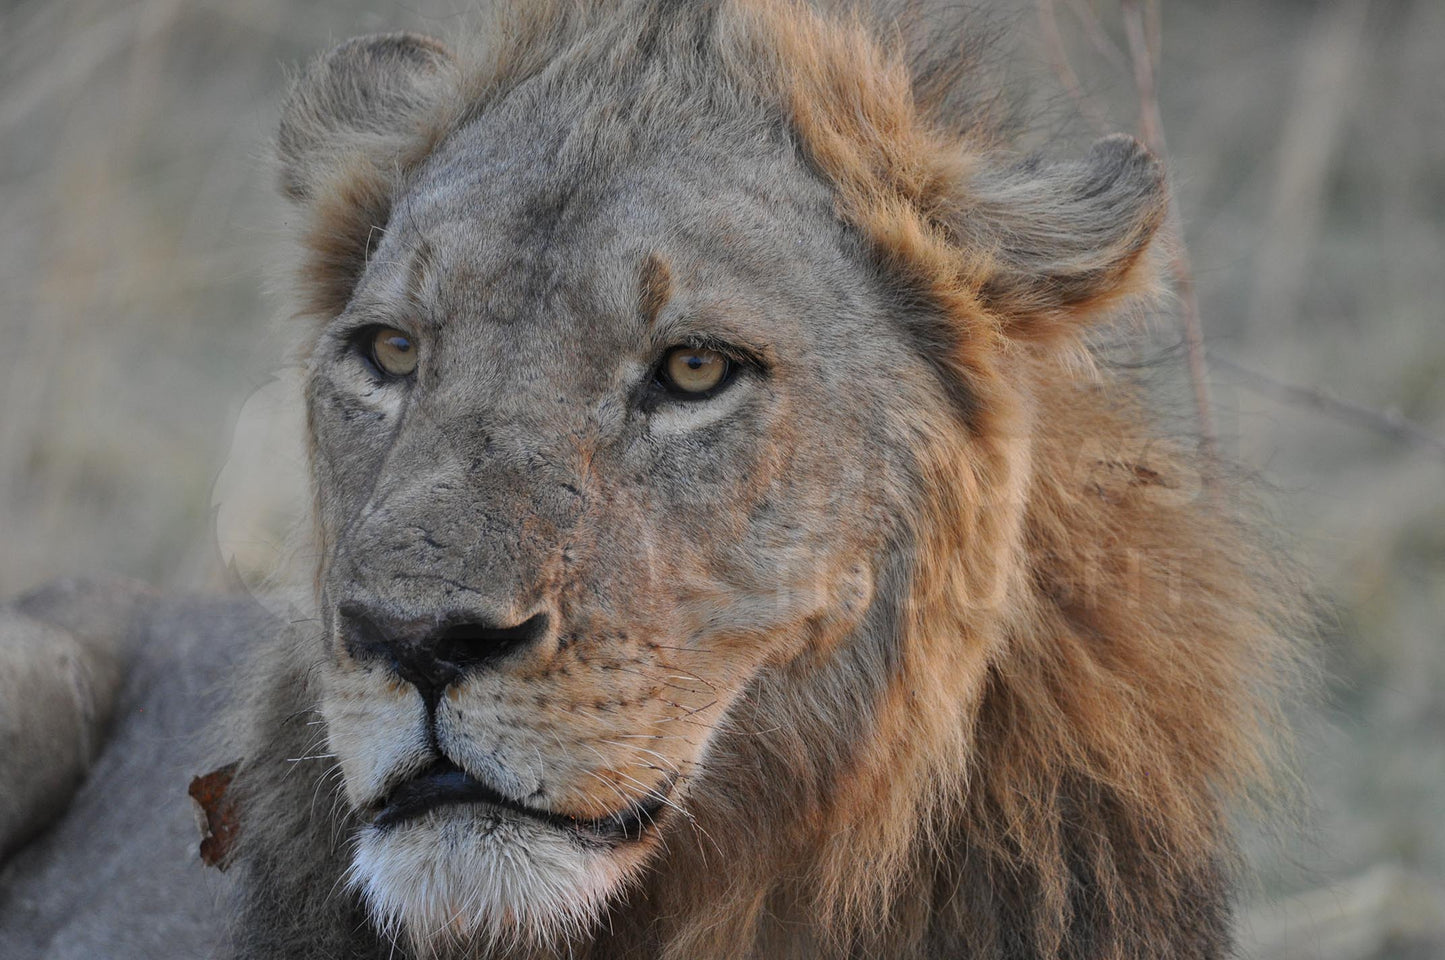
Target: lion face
(663, 421)
(592, 454)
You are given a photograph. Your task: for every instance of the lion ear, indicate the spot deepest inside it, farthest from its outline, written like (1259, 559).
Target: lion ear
(1066, 240)
(370, 97)
(356, 121)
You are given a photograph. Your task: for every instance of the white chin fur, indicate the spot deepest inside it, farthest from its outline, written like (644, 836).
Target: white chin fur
(461, 875)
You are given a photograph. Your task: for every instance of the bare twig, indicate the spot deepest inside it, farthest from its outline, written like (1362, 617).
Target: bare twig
(1314, 127)
(1088, 18)
(1154, 30)
(1141, 58)
(1059, 58)
(1138, 25)
(1388, 422)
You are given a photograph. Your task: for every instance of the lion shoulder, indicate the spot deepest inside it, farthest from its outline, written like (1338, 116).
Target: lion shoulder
(111, 720)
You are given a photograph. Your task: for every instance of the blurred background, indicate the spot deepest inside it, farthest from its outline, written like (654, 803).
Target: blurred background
(144, 334)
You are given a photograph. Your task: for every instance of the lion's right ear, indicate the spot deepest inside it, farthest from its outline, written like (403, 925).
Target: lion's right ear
(356, 122)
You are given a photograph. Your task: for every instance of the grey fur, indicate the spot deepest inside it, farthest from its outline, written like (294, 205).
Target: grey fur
(58, 686)
(119, 877)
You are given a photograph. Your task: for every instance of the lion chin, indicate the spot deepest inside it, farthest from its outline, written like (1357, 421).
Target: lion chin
(467, 874)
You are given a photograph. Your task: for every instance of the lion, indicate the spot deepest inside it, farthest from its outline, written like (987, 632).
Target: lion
(728, 544)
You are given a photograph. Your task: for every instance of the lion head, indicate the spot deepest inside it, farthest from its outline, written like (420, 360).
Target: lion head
(708, 561)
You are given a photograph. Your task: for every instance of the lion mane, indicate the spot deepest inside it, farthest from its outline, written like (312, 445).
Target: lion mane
(1080, 676)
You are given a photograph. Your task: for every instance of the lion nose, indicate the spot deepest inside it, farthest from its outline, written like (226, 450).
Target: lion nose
(432, 653)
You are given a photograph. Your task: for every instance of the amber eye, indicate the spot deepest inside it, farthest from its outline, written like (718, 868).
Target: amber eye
(393, 352)
(694, 371)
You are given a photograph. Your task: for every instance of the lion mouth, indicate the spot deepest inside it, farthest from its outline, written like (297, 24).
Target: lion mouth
(444, 784)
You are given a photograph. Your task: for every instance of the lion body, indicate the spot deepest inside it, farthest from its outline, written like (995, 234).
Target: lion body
(915, 639)
(117, 875)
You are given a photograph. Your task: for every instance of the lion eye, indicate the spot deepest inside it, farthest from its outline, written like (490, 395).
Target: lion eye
(393, 352)
(691, 371)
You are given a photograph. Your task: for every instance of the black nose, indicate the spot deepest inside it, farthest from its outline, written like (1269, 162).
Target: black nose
(431, 653)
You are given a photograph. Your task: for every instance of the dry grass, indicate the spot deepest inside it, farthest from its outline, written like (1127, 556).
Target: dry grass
(140, 252)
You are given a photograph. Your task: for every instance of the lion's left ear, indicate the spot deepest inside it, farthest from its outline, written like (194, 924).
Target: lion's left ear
(1065, 240)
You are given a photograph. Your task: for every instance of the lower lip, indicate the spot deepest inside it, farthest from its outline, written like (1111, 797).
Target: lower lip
(437, 787)
(444, 784)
